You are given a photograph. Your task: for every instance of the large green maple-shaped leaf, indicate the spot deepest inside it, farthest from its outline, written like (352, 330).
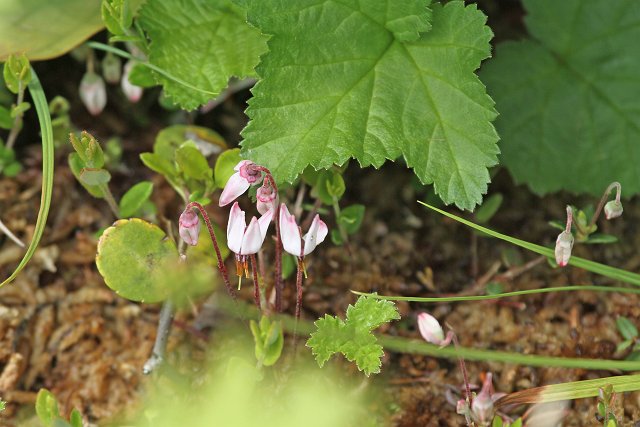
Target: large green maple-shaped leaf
(568, 97)
(352, 337)
(361, 79)
(202, 42)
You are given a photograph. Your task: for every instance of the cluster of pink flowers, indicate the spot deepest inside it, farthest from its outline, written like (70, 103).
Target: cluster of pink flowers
(246, 240)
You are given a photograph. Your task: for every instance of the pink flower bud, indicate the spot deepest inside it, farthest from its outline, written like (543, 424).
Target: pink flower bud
(189, 227)
(564, 244)
(246, 174)
(430, 329)
(133, 92)
(93, 93)
(482, 405)
(612, 209)
(266, 199)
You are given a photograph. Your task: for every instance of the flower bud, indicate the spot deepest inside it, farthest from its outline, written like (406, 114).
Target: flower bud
(482, 405)
(93, 93)
(564, 244)
(612, 209)
(189, 227)
(111, 68)
(133, 92)
(266, 199)
(430, 329)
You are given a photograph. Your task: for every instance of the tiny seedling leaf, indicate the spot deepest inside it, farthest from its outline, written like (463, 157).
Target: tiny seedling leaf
(76, 418)
(77, 165)
(627, 329)
(132, 255)
(352, 337)
(135, 198)
(94, 177)
(47, 407)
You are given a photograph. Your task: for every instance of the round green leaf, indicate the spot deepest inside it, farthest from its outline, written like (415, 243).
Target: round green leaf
(192, 163)
(132, 256)
(351, 218)
(91, 176)
(46, 29)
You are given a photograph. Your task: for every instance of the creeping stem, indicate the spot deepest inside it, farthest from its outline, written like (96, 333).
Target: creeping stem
(221, 266)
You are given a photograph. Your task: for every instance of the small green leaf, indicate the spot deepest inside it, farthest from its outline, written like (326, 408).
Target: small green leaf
(289, 264)
(142, 76)
(19, 110)
(117, 16)
(336, 237)
(601, 239)
(494, 288)
(12, 169)
(497, 421)
(627, 329)
(192, 163)
(89, 149)
(227, 160)
(47, 407)
(17, 72)
(517, 423)
(159, 164)
(6, 121)
(131, 256)
(3, 405)
(488, 209)
(135, 198)
(351, 218)
(91, 176)
(77, 165)
(353, 337)
(328, 184)
(76, 418)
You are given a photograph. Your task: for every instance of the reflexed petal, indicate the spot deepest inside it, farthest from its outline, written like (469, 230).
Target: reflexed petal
(430, 329)
(234, 188)
(252, 240)
(264, 222)
(317, 232)
(235, 228)
(289, 232)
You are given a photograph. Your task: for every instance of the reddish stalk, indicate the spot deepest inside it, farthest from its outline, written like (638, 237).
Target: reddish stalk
(603, 200)
(278, 261)
(256, 283)
(463, 369)
(221, 266)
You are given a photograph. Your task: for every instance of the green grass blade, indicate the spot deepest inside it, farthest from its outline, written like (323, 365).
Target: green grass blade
(604, 270)
(42, 108)
(503, 295)
(570, 391)
(127, 55)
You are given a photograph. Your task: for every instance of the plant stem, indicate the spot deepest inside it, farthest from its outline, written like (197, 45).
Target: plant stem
(160, 345)
(256, 283)
(603, 200)
(465, 375)
(212, 235)
(569, 219)
(17, 120)
(299, 270)
(336, 211)
(111, 201)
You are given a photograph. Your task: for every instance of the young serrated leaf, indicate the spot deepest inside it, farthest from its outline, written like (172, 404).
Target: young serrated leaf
(567, 97)
(322, 101)
(353, 337)
(134, 198)
(201, 42)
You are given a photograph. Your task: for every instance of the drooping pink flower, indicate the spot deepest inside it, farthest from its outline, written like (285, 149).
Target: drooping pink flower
(93, 93)
(431, 330)
(613, 209)
(267, 198)
(292, 241)
(246, 240)
(132, 92)
(247, 173)
(189, 227)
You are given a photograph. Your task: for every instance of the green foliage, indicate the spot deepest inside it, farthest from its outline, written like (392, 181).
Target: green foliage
(133, 256)
(627, 329)
(117, 16)
(202, 42)
(49, 414)
(566, 96)
(176, 156)
(23, 24)
(135, 198)
(352, 337)
(6, 121)
(88, 149)
(489, 207)
(3, 405)
(269, 340)
(321, 101)
(328, 186)
(227, 160)
(351, 218)
(17, 73)
(94, 177)
(9, 166)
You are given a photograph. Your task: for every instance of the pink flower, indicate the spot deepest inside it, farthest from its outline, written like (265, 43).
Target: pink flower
(431, 330)
(93, 93)
(267, 199)
(292, 242)
(133, 92)
(246, 240)
(189, 227)
(247, 173)
(482, 405)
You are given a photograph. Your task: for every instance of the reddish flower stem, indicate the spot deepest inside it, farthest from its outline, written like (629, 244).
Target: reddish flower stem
(256, 283)
(603, 200)
(221, 266)
(463, 369)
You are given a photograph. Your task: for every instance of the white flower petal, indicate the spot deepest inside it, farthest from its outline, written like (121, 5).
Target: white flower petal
(234, 188)
(289, 232)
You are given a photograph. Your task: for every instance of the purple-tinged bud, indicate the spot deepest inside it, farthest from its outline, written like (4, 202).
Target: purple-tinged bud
(133, 92)
(431, 330)
(189, 227)
(93, 93)
(266, 199)
(482, 405)
(613, 209)
(564, 244)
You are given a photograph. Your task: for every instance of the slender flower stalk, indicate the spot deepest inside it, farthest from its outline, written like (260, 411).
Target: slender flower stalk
(603, 200)
(256, 283)
(221, 266)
